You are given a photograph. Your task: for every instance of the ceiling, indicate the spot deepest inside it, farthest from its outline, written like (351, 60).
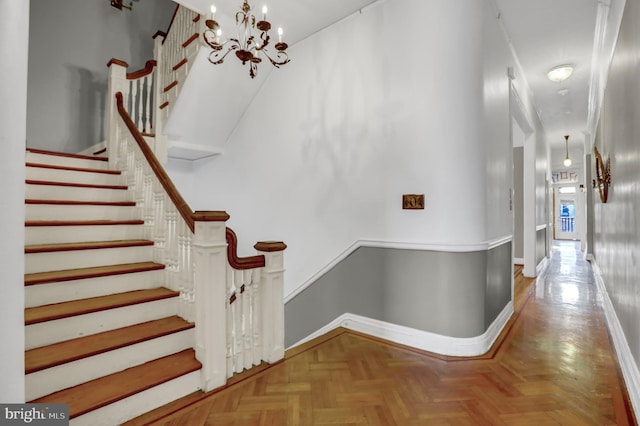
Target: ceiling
(547, 33)
(543, 34)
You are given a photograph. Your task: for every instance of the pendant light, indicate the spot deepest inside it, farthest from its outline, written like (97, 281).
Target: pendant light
(567, 160)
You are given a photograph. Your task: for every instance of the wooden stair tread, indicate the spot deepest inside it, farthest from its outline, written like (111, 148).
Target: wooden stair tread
(74, 169)
(56, 311)
(82, 203)
(106, 390)
(60, 353)
(65, 154)
(82, 222)
(93, 272)
(89, 245)
(73, 184)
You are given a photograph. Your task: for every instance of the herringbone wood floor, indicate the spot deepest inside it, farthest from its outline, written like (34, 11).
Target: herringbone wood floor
(553, 365)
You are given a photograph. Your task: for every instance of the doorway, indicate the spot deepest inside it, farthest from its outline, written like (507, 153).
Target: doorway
(565, 225)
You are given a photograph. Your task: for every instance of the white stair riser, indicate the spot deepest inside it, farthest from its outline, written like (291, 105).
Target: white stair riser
(44, 294)
(74, 259)
(54, 192)
(55, 175)
(58, 160)
(49, 332)
(140, 403)
(76, 234)
(78, 212)
(64, 376)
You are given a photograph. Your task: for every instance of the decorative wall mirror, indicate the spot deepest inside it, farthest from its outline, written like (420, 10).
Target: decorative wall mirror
(603, 175)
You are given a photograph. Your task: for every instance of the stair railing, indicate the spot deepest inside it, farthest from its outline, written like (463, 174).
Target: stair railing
(150, 93)
(199, 252)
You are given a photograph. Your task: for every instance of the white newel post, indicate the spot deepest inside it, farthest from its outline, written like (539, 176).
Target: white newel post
(160, 138)
(117, 82)
(272, 280)
(210, 262)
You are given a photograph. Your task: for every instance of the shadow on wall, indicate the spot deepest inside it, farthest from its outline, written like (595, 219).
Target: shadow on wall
(87, 96)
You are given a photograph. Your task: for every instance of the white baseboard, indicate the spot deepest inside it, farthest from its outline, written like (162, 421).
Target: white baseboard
(518, 261)
(625, 357)
(432, 342)
(542, 266)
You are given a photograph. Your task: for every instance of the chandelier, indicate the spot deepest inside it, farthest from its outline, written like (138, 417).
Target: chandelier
(251, 43)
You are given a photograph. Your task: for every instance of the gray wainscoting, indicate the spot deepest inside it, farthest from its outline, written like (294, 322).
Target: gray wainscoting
(541, 245)
(448, 293)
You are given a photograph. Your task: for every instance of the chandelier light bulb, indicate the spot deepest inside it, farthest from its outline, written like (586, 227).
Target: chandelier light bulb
(213, 11)
(218, 34)
(567, 162)
(264, 12)
(280, 32)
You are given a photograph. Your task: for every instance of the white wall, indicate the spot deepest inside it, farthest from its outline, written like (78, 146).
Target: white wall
(14, 34)
(499, 163)
(71, 42)
(616, 223)
(371, 108)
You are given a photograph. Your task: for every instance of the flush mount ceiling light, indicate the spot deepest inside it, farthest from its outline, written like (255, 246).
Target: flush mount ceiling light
(252, 40)
(567, 160)
(560, 73)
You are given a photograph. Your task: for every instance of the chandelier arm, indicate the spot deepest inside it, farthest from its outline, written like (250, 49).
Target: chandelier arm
(216, 59)
(281, 58)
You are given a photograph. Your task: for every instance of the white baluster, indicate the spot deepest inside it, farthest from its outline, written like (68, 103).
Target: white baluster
(188, 275)
(230, 326)
(247, 332)
(159, 230)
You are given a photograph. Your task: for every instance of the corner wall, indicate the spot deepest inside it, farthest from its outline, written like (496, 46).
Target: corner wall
(71, 42)
(14, 34)
(333, 139)
(616, 240)
(433, 291)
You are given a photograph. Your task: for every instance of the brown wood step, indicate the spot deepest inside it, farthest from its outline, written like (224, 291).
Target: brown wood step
(65, 154)
(82, 203)
(94, 272)
(73, 169)
(157, 415)
(73, 184)
(90, 245)
(82, 222)
(72, 350)
(106, 390)
(73, 308)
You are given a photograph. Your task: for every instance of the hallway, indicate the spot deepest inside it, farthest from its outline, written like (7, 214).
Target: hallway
(552, 365)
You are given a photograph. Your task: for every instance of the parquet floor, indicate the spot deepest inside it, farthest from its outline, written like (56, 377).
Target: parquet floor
(552, 366)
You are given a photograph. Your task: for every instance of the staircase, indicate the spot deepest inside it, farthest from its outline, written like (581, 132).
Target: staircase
(102, 332)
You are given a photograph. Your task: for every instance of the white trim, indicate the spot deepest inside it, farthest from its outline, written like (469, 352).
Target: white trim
(541, 227)
(424, 340)
(518, 260)
(541, 268)
(625, 357)
(400, 245)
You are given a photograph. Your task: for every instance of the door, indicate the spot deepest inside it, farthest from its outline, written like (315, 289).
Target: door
(565, 213)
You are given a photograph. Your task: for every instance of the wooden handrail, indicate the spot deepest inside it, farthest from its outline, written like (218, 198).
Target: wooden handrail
(148, 69)
(185, 211)
(236, 262)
